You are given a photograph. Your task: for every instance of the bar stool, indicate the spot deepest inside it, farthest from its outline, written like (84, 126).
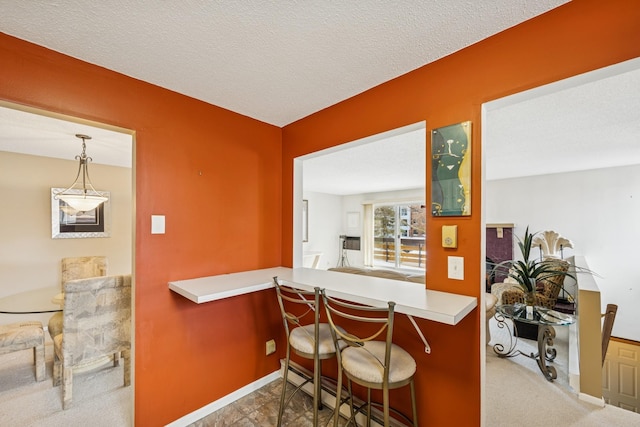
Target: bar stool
(306, 335)
(371, 363)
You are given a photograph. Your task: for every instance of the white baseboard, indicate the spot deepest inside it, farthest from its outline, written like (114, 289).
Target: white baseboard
(224, 401)
(298, 374)
(591, 399)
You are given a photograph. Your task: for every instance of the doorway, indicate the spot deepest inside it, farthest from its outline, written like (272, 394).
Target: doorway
(37, 153)
(557, 150)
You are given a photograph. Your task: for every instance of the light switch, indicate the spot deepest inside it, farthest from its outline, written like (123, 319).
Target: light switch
(456, 267)
(157, 224)
(449, 236)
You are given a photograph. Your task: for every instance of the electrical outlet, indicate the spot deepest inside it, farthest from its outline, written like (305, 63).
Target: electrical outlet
(271, 347)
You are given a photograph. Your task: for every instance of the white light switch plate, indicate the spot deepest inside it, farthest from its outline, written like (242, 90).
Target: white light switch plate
(157, 224)
(456, 267)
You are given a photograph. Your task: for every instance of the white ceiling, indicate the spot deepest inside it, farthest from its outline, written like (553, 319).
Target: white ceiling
(281, 61)
(43, 135)
(392, 161)
(275, 61)
(590, 121)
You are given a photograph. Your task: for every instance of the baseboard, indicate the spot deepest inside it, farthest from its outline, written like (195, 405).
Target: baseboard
(298, 375)
(591, 399)
(224, 401)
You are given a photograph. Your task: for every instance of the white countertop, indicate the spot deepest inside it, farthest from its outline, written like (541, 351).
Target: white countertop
(410, 298)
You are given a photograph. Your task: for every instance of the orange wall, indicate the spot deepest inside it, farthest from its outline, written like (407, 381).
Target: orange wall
(189, 355)
(575, 38)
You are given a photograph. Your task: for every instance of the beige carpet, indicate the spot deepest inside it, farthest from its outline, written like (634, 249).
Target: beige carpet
(99, 398)
(519, 395)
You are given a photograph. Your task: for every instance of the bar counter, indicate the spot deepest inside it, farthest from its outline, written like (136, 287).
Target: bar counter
(411, 298)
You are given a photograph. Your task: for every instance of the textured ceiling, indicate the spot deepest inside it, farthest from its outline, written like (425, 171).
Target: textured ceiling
(591, 121)
(392, 161)
(275, 61)
(279, 61)
(43, 135)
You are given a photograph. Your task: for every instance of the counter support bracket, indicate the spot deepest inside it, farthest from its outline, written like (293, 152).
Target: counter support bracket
(427, 347)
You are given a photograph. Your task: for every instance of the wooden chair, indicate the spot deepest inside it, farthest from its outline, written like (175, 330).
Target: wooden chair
(96, 323)
(607, 326)
(306, 335)
(371, 363)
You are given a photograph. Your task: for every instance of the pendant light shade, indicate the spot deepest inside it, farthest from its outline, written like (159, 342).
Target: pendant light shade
(81, 195)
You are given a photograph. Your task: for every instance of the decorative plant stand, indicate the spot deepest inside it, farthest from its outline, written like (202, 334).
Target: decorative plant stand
(545, 319)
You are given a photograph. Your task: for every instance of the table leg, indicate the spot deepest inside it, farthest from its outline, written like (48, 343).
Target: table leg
(546, 334)
(499, 348)
(545, 353)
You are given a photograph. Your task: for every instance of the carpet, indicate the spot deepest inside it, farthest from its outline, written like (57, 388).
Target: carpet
(99, 396)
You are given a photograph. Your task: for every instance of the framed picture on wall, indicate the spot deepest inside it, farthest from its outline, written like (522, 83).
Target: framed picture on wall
(67, 223)
(451, 170)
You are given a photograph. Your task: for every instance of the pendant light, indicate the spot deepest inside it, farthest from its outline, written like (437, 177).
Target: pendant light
(81, 196)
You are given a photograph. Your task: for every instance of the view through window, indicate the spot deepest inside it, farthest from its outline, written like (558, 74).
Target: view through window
(399, 235)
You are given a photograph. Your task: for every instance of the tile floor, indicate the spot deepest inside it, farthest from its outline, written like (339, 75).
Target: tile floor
(260, 409)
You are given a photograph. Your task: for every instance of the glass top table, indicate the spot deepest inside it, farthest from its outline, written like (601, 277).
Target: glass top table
(535, 315)
(545, 319)
(29, 302)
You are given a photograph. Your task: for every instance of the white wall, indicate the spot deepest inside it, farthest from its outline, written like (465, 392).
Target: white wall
(599, 210)
(29, 257)
(325, 227)
(328, 220)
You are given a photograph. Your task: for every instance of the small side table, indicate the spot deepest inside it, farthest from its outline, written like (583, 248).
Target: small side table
(546, 319)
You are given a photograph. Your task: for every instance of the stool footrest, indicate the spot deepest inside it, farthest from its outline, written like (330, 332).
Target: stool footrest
(329, 385)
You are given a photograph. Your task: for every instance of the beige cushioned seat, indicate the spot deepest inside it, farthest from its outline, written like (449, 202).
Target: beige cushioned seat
(76, 268)
(301, 339)
(96, 324)
(22, 336)
(363, 363)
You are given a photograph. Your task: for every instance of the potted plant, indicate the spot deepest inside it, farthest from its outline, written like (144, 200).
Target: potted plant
(532, 272)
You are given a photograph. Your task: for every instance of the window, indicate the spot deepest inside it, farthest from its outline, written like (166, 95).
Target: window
(399, 236)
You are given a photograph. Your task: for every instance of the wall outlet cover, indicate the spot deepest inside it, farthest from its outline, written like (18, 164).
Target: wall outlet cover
(270, 347)
(456, 267)
(157, 224)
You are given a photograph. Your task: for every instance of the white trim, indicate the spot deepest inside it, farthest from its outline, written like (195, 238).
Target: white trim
(483, 269)
(224, 401)
(366, 140)
(399, 200)
(591, 399)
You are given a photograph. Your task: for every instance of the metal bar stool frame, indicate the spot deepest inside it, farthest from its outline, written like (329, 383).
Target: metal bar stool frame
(306, 304)
(381, 354)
